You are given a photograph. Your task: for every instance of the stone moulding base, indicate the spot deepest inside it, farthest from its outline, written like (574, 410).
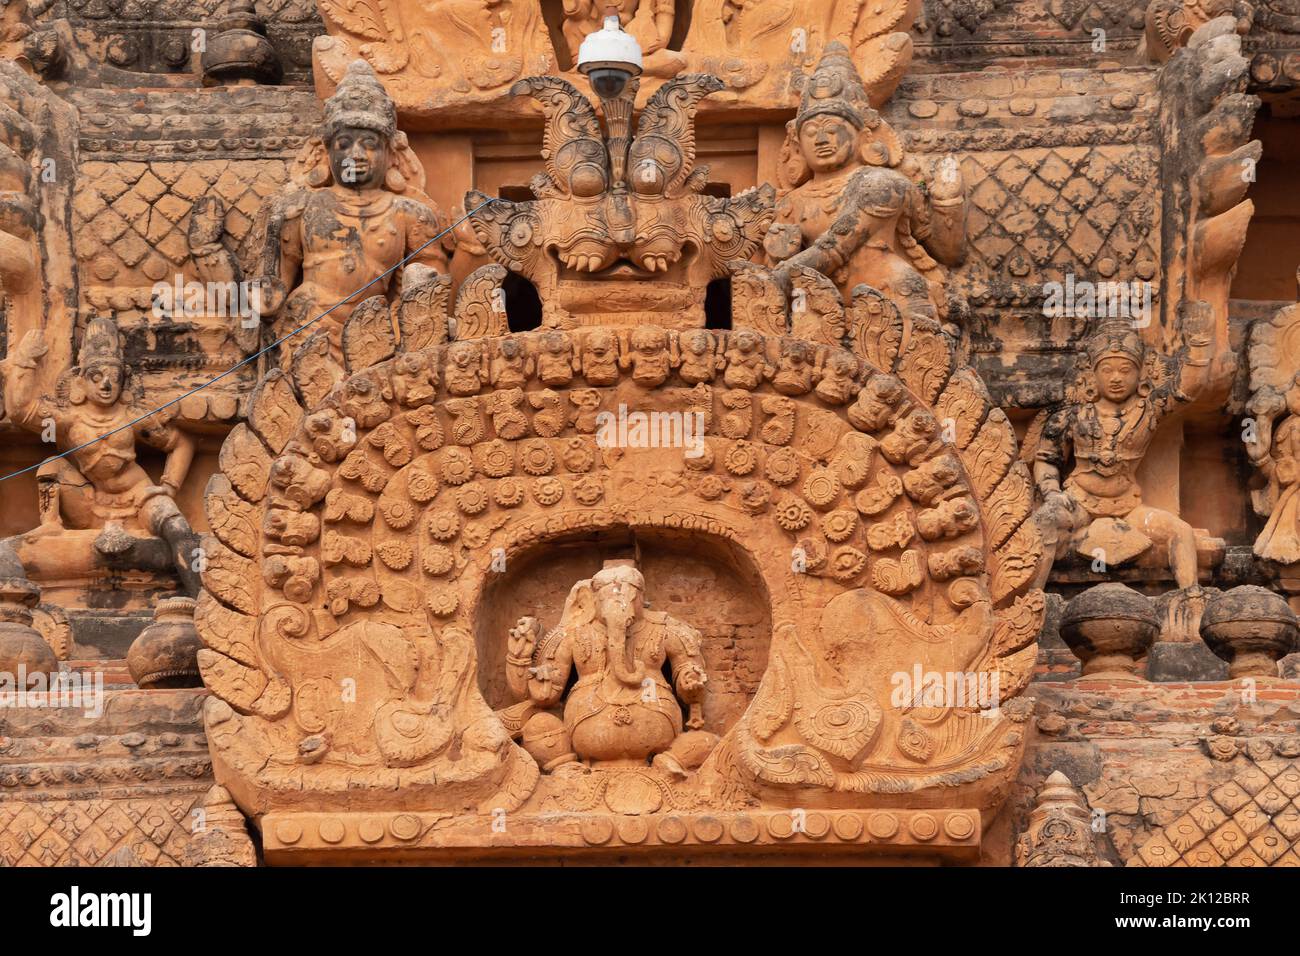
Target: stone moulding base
(882, 835)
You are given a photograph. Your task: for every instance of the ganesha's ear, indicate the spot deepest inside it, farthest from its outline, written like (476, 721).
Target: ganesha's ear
(580, 606)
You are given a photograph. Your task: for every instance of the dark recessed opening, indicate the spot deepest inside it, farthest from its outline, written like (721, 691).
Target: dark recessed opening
(517, 193)
(721, 190)
(523, 306)
(717, 304)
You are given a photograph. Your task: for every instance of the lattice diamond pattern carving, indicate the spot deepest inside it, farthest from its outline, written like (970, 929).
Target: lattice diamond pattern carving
(1253, 820)
(1063, 209)
(130, 219)
(96, 832)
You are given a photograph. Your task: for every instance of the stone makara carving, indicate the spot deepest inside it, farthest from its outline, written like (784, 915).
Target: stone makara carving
(622, 232)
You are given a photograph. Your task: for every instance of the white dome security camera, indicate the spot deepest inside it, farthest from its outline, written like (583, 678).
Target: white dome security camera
(609, 58)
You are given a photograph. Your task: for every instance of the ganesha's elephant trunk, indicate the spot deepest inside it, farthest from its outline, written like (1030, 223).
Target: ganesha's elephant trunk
(622, 654)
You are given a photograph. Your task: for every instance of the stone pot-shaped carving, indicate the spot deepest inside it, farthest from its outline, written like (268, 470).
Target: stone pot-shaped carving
(21, 646)
(22, 649)
(166, 652)
(1108, 627)
(1251, 628)
(239, 54)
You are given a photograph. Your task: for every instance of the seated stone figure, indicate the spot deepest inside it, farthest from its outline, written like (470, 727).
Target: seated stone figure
(359, 212)
(101, 484)
(1105, 428)
(621, 711)
(853, 213)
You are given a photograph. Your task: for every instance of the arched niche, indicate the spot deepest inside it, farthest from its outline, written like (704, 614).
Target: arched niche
(710, 583)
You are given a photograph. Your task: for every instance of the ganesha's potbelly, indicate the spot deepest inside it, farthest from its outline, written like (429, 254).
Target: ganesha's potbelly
(622, 707)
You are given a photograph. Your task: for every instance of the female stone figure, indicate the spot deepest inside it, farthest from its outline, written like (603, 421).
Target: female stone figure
(856, 212)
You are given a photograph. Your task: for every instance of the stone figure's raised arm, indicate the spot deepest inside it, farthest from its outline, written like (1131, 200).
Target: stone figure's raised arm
(1197, 356)
(941, 225)
(1052, 452)
(683, 650)
(539, 675)
(423, 224)
(27, 406)
(277, 248)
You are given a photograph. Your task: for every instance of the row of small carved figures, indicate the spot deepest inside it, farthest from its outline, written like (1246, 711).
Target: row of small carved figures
(743, 358)
(331, 431)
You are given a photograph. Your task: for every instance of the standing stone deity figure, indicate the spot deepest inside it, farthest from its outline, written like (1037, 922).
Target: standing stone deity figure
(622, 711)
(102, 483)
(857, 211)
(1280, 465)
(1273, 445)
(358, 211)
(1105, 428)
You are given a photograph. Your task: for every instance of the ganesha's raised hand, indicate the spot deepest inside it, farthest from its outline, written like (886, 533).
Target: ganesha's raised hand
(522, 640)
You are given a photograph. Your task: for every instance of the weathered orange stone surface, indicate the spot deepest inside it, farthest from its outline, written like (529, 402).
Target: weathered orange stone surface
(674, 432)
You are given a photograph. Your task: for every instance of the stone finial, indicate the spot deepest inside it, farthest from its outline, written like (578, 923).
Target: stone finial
(21, 645)
(1060, 829)
(239, 54)
(166, 652)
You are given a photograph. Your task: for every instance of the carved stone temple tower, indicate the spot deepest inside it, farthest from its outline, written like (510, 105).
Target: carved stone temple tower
(679, 432)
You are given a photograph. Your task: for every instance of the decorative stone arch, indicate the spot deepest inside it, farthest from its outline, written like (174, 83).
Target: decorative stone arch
(356, 521)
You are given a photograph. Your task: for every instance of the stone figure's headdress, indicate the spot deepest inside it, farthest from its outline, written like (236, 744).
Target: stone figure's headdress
(835, 89)
(360, 102)
(100, 345)
(619, 571)
(1116, 337)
